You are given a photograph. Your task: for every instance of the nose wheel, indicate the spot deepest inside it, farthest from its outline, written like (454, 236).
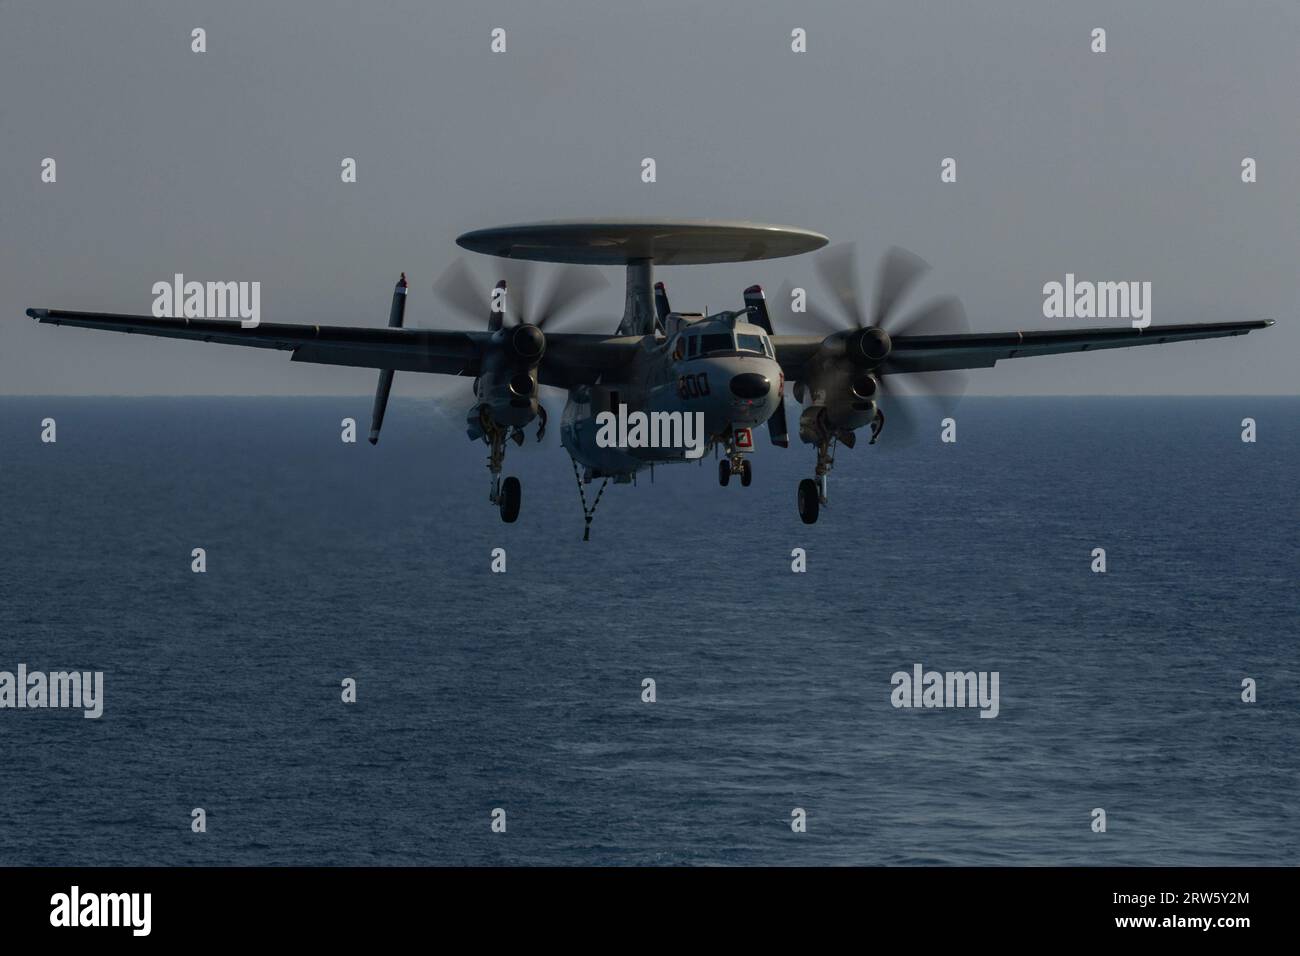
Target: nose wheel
(735, 464)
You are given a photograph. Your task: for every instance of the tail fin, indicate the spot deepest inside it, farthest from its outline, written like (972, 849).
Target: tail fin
(662, 308)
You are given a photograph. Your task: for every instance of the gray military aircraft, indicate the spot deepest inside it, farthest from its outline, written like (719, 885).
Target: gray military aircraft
(725, 371)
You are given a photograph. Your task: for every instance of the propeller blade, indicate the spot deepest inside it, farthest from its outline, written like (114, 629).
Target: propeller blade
(572, 284)
(457, 288)
(837, 269)
(943, 316)
(944, 388)
(518, 275)
(903, 423)
(915, 404)
(497, 317)
(899, 271)
(525, 280)
(822, 323)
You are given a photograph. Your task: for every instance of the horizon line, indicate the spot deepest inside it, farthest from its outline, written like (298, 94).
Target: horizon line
(369, 395)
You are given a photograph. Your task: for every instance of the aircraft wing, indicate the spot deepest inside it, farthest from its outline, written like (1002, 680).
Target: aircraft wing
(931, 353)
(414, 350)
(793, 352)
(578, 358)
(571, 359)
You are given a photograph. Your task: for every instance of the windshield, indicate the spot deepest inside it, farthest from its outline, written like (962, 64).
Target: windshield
(715, 342)
(750, 343)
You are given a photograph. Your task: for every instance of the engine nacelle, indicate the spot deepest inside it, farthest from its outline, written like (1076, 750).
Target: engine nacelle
(528, 342)
(522, 386)
(865, 385)
(813, 425)
(868, 347)
(506, 385)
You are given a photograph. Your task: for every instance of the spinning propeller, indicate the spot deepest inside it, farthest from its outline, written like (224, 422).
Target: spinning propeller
(458, 289)
(870, 337)
(462, 293)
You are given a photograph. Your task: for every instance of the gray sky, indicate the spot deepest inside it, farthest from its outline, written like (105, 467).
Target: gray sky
(225, 165)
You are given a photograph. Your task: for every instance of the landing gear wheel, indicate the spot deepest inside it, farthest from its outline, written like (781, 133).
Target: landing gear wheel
(809, 501)
(511, 495)
(746, 473)
(724, 472)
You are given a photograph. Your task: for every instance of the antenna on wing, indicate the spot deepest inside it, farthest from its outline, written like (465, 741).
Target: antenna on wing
(396, 315)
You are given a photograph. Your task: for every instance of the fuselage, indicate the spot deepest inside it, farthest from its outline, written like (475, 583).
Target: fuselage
(720, 371)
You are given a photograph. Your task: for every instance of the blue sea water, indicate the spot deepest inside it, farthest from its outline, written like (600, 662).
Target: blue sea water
(523, 690)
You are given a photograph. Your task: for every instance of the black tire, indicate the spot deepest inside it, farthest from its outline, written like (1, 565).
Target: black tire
(810, 501)
(724, 472)
(511, 496)
(746, 473)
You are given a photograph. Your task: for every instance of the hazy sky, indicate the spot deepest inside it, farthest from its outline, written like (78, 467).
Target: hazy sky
(225, 165)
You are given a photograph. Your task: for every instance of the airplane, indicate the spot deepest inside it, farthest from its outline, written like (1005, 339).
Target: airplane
(728, 369)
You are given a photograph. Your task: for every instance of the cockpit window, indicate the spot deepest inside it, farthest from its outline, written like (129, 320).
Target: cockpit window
(715, 342)
(750, 343)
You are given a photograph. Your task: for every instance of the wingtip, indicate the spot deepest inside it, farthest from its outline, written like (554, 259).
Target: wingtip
(38, 314)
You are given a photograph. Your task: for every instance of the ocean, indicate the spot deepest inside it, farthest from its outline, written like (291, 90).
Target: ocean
(523, 690)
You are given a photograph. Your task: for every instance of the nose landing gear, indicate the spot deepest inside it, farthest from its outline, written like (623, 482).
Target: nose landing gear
(735, 464)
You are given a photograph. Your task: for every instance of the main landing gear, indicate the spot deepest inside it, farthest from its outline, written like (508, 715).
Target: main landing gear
(813, 491)
(809, 500)
(735, 464)
(509, 497)
(506, 494)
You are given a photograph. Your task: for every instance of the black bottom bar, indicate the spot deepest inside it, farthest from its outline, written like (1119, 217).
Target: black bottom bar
(333, 905)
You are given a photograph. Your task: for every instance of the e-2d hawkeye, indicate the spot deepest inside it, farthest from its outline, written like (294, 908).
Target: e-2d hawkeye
(696, 382)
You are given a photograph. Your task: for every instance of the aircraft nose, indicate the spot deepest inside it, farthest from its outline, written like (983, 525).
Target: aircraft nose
(750, 385)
